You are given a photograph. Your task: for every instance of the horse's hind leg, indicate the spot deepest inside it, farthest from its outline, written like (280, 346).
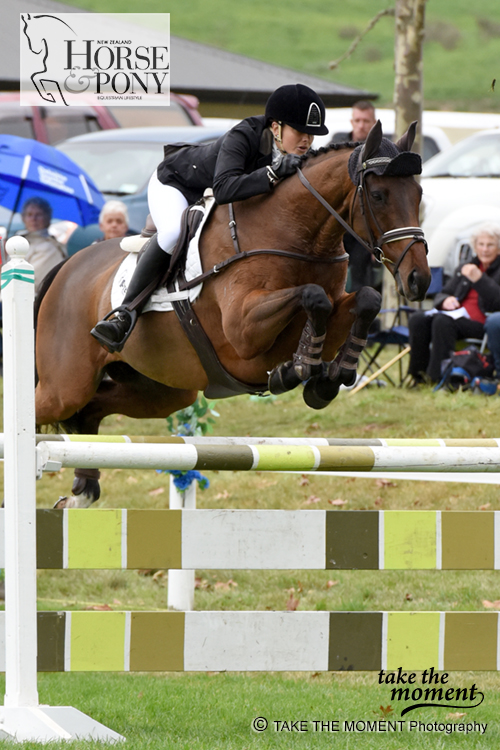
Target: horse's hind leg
(306, 361)
(322, 389)
(127, 392)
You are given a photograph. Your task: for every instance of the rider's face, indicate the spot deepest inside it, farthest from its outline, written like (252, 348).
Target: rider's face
(292, 141)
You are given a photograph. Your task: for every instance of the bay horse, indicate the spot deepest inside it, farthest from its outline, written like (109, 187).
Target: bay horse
(274, 319)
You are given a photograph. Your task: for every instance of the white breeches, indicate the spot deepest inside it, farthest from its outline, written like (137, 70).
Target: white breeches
(166, 205)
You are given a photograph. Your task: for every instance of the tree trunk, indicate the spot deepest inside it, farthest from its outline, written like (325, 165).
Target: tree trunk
(408, 80)
(408, 99)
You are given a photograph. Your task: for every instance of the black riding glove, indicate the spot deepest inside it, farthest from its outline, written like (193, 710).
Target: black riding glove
(288, 165)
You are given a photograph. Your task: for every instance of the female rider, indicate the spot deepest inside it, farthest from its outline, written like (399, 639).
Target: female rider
(248, 160)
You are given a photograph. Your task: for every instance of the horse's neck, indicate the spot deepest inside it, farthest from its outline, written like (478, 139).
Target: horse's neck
(328, 175)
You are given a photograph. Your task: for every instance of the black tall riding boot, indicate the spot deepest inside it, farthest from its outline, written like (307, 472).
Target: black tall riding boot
(112, 334)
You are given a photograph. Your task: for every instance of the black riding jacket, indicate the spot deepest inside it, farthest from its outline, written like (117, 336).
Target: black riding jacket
(234, 166)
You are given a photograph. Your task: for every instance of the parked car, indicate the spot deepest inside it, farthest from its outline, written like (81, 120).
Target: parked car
(122, 161)
(54, 124)
(183, 110)
(461, 190)
(51, 124)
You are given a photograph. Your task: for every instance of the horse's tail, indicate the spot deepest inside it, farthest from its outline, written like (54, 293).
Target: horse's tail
(42, 291)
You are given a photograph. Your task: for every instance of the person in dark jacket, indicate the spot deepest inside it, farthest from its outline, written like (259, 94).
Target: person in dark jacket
(472, 291)
(362, 264)
(248, 160)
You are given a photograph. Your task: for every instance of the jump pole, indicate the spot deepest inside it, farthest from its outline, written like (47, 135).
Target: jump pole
(22, 718)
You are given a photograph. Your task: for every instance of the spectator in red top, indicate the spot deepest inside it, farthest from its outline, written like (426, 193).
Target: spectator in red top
(459, 312)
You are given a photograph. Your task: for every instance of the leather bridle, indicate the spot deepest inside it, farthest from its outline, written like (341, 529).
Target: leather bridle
(414, 234)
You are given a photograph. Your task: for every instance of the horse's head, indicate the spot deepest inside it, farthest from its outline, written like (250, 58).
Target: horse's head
(388, 203)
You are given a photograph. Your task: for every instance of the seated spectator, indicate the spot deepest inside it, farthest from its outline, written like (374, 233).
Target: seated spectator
(45, 251)
(472, 291)
(113, 220)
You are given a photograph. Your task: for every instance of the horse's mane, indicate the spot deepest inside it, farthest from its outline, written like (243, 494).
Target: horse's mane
(330, 147)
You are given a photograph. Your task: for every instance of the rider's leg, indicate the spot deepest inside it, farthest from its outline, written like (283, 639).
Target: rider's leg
(166, 205)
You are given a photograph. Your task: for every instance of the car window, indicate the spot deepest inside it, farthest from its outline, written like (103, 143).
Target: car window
(138, 117)
(120, 168)
(477, 157)
(18, 122)
(63, 124)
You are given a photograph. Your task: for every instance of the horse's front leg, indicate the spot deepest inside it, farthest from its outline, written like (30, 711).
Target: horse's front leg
(306, 361)
(323, 388)
(256, 325)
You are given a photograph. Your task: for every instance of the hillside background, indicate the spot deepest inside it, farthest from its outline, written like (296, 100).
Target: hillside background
(461, 55)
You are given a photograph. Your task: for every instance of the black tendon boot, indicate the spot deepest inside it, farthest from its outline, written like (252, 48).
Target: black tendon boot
(112, 334)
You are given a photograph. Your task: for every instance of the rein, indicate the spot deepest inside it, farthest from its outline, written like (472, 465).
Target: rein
(415, 234)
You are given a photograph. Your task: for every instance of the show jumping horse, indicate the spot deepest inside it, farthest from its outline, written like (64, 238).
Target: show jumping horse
(275, 318)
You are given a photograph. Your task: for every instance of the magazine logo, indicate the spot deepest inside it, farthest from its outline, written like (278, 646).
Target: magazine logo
(106, 58)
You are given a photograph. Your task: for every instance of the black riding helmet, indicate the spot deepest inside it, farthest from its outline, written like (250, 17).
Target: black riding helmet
(298, 106)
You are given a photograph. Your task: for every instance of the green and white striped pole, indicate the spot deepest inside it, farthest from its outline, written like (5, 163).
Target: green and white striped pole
(18, 293)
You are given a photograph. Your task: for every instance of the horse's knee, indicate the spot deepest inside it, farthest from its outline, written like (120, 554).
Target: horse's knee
(368, 303)
(317, 306)
(367, 306)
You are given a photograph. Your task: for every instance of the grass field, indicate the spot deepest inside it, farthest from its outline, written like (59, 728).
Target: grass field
(461, 54)
(215, 710)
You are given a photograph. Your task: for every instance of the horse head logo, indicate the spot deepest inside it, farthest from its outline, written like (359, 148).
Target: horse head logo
(42, 30)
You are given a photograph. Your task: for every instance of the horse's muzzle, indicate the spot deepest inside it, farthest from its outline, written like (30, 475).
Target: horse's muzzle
(414, 287)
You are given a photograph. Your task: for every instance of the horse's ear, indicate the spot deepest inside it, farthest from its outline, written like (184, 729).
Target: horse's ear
(406, 141)
(372, 143)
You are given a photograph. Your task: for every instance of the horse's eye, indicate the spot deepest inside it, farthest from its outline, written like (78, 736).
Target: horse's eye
(377, 196)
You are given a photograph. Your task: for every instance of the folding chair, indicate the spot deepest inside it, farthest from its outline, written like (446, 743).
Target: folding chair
(396, 334)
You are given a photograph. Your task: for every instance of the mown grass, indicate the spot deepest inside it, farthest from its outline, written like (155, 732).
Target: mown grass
(461, 51)
(212, 711)
(215, 711)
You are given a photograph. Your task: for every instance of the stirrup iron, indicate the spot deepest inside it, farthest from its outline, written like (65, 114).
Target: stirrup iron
(108, 344)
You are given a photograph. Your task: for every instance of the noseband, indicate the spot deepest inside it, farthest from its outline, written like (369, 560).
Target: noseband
(414, 234)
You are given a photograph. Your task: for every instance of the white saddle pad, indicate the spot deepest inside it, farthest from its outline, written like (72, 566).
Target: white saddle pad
(161, 300)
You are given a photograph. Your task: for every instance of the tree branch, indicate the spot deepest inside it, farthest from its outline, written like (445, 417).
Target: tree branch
(375, 19)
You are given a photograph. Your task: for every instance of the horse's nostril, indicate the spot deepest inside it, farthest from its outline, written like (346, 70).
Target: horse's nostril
(418, 284)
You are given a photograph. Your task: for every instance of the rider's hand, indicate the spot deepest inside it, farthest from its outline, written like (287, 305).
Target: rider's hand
(288, 165)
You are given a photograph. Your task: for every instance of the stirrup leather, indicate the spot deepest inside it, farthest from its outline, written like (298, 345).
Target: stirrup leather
(107, 343)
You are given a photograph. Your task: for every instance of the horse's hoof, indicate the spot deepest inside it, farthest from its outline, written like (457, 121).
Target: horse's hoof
(81, 501)
(319, 393)
(283, 379)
